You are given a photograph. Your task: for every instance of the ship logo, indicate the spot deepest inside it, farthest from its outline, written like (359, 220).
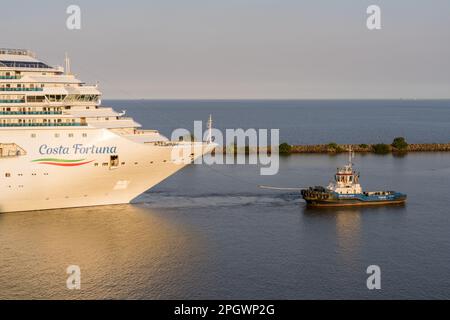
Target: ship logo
(62, 162)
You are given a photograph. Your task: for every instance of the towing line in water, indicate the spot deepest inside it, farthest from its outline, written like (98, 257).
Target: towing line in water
(280, 188)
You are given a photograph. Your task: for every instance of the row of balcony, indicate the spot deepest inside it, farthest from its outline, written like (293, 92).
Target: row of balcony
(9, 77)
(48, 124)
(12, 101)
(29, 112)
(21, 89)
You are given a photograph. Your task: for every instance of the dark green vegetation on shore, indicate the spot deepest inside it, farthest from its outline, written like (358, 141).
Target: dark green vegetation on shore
(398, 145)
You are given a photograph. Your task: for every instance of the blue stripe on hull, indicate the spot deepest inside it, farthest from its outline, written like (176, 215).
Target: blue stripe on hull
(336, 199)
(371, 198)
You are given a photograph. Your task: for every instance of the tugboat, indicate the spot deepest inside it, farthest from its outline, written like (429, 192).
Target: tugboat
(345, 190)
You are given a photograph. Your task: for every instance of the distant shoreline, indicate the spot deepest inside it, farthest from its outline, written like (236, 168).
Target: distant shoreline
(369, 148)
(342, 148)
(272, 99)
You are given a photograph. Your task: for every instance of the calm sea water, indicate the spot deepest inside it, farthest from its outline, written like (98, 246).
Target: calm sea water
(305, 122)
(210, 232)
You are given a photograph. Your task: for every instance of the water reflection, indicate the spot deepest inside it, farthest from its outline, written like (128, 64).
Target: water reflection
(113, 245)
(348, 222)
(348, 227)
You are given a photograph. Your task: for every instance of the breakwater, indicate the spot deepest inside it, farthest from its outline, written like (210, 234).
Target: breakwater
(364, 148)
(334, 148)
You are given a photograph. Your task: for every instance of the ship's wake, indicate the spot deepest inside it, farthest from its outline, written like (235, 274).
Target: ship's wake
(170, 200)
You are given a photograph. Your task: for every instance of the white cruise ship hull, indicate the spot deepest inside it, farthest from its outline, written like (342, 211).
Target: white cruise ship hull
(65, 168)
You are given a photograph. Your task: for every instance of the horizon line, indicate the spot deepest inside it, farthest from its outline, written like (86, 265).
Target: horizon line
(282, 99)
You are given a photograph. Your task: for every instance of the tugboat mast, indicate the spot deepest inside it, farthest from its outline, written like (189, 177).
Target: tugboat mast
(351, 155)
(210, 124)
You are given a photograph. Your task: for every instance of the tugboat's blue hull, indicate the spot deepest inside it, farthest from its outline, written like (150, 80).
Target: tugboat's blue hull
(331, 199)
(343, 203)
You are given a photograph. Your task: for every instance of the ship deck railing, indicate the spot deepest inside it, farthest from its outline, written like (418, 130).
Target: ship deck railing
(12, 101)
(21, 89)
(42, 124)
(10, 77)
(147, 131)
(30, 112)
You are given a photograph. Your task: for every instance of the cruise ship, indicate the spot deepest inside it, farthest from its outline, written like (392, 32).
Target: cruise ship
(60, 148)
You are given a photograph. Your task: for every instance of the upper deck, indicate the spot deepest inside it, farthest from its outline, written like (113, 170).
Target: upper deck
(34, 94)
(19, 52)
(21, 59)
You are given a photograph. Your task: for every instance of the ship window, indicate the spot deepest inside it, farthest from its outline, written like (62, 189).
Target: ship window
(123, 163)
(7, 175)
(105, 164)
(70, 135)
(114, 161)
(84, 135)
(33, 135)
(95, 164)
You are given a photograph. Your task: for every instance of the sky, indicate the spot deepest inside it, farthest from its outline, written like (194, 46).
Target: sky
(242, 49)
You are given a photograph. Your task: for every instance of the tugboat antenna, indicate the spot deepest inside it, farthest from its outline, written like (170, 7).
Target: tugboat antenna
(210, 129)
(350, 155)
(67, 63)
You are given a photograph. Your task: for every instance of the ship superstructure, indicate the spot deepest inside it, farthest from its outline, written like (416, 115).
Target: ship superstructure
(60, 148)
